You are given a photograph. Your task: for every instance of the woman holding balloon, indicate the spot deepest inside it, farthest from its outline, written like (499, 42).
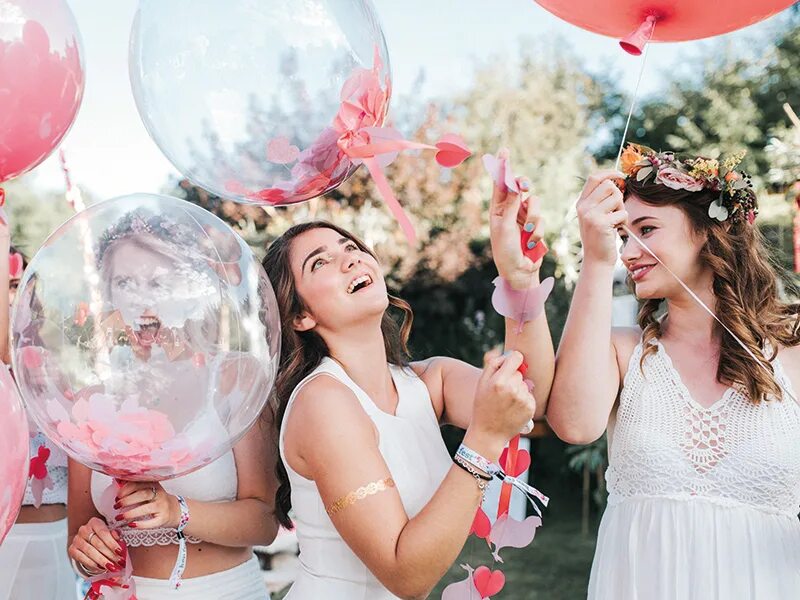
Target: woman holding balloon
(381, 510)
(699, 401)
(162, 349)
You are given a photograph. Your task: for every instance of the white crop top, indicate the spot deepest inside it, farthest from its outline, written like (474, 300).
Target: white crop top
(216, 482)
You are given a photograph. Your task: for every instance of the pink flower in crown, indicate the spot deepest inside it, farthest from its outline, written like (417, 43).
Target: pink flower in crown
(678, 180)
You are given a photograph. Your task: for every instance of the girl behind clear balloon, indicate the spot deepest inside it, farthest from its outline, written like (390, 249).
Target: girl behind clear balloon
(33, 558)
(165, 343)
(704, 433)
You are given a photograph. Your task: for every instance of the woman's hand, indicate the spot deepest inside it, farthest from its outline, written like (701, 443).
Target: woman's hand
(503, 405)
(95, 547)
(146, 505)
(510, 214)
(601, 211)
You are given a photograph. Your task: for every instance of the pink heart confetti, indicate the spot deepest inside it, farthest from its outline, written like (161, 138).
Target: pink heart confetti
(523, 461)
(452, 150)
(488, 582)
(281, 151)
(481, 526)
(500, 171)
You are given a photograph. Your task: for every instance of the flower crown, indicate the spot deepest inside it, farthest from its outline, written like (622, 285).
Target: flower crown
(737, 199)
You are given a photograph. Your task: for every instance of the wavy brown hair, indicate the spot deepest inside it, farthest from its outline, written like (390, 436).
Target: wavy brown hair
(302, 351)
(744, 286)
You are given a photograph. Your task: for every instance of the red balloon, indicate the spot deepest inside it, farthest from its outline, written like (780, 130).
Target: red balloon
(676, 20)
(41, 81)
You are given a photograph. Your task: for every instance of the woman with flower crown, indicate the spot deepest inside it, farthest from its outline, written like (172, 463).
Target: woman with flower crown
(702, 414)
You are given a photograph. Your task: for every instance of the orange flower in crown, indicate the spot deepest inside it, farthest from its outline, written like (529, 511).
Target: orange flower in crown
(631, 158)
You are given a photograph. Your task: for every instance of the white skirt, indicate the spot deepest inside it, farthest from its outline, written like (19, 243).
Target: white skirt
(34, 563)
(244, 582)
(663, 549)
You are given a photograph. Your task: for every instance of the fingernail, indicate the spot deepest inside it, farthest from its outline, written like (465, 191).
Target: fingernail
(118, 551)
(117, 506)
(524, 186)
(133, 525)
(532, 245)
(112, 567)
(120, 517)
(121, 563)
(116, 499)
(528, 227)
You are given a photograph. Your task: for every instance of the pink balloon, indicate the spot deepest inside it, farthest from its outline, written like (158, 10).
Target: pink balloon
(675, 20)
(41, 81)
(13, 452)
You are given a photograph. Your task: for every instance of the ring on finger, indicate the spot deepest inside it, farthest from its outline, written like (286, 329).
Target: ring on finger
(89, 539)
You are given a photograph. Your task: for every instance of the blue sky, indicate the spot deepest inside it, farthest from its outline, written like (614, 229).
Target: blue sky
(111, 154)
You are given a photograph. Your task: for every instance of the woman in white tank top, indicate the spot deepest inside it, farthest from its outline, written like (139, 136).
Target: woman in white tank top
(33, 557)
(704, 443)
(229, 502)
(380, 509)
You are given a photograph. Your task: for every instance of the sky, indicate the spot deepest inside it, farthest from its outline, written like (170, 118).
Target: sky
(110, 154)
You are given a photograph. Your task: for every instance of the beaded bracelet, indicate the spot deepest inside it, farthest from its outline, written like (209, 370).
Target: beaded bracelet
(483, 483)
(468, 468)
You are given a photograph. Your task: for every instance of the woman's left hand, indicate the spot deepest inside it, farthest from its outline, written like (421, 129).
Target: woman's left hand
(510, 214)
(146, 505)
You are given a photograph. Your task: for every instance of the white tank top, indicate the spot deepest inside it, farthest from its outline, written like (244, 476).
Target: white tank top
(216, 482)
(412, 446)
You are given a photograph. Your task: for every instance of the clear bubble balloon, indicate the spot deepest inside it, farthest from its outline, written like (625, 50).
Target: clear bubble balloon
(41, 81)
(255, 100)
(13, 452)
(145, 337)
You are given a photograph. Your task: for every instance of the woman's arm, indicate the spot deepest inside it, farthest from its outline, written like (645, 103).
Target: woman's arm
(452, 382)
(330, 439)
(247, 521)
(91, 543)
(587, 377)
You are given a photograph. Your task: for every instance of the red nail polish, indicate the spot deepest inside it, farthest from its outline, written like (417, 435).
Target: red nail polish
(120, 517)
(112, 567)
(117, 506)
(121, 563)
(118, 551)
(133, 525)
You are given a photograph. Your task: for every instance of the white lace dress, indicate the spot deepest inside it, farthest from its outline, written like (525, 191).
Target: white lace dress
(703, 502)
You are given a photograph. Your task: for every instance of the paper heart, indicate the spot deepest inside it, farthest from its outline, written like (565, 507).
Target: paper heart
(31, 357)
(281, 151)
(15, 265)
(500, 171)
(523, 462)
(488, 582)
(38, 465)
(537, 252)
(452, 150)
(481, 526)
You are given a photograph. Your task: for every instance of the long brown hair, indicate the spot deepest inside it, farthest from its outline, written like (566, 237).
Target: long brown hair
(744, 286)
(302, 351)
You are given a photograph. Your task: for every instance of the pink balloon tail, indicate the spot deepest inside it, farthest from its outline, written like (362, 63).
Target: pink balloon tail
(385, 191)
(634, 42)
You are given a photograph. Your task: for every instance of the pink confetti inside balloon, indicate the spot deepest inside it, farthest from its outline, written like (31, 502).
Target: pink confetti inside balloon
(175, 351)
(253, 101)
(41, 81)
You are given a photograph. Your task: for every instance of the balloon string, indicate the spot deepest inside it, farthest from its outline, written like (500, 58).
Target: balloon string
(633, 100)
(697, 299)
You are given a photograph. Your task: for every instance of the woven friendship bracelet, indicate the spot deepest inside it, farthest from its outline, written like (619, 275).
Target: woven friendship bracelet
(367, 490)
